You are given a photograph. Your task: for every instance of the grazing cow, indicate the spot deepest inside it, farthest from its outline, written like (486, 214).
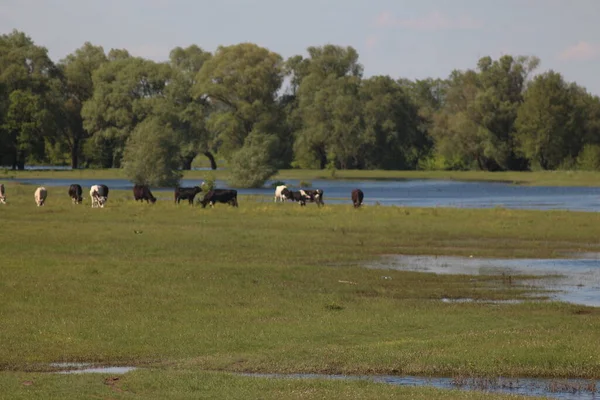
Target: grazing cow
(228, 196)
(75, 192)
(298, 196)
(2, 194)
(278, 194)
(142, 192)
(99, 195)
(40, 196)
(183, 193)
(357, 197)
(314, 196)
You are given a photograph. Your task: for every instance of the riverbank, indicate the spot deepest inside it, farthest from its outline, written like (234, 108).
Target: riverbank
(541, 178)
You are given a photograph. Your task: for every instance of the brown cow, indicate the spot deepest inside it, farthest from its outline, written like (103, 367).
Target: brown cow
(357, 197)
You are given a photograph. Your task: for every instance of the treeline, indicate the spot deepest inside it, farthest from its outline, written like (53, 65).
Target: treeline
(262, 113)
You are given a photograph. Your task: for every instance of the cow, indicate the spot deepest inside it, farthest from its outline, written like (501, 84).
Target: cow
(186, 193)
(357, 197)
(2, 194)
(142, 192)
(314, 196)
(99, 195)
(228, 196)
(298, 196)
(278, 195)
(75, 192)
(40, 196)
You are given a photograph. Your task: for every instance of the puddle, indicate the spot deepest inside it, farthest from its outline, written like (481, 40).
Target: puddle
(575, 280)
(88, 368)
(564, 389)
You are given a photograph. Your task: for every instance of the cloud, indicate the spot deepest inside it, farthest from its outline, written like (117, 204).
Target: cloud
(580, 52)
(434, 21)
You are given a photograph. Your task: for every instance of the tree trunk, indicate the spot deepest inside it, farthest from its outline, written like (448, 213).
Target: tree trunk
(186, 162)
(211, 158)
(75, 155)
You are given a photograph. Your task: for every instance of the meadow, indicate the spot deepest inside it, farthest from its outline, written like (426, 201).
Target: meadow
(193, 295)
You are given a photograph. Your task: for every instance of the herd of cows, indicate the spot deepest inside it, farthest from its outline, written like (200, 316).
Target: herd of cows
(99, 195)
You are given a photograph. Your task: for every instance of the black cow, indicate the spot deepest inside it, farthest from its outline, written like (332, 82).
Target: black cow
(76, 193)
(314, 196)
(186, 193)
(142, 192)
(357, 197)
(298, 196)
(228, 196)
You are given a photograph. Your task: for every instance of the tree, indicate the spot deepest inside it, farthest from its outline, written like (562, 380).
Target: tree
(78, 87)
(28, 82)
(550, 127)
(241, 83)
(475, 125)
(328, 105)
(150, 156)
(190, 114)
(126, 91)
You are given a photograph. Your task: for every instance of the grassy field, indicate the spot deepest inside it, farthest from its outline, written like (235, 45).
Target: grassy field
(275, 288)
(542, 178)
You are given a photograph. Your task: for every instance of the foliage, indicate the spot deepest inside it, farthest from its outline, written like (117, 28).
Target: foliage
(317, 110)
(589, 158)
(209, 182)
(150, 156)
(252, 165)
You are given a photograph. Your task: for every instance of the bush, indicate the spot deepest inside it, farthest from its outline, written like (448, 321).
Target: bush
(151, 155)
(209, 182)
(252, 165)
(589, 158)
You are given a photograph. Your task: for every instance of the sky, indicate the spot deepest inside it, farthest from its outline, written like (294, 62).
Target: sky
(400, 38)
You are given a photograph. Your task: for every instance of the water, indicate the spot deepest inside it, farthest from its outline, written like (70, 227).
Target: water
(88, 368)
(575, 280)
(414, 193)
(564, 389)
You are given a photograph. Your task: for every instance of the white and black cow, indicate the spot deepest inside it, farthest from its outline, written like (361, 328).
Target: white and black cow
(99, 195)
(40, 196)
(278, 193)
(314, 196)
(298, 196)
(75, 192)
(228, 196)
(2, 194)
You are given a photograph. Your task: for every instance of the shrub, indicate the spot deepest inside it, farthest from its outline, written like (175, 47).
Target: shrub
(589, 158)
(252, 165)
(151, 155)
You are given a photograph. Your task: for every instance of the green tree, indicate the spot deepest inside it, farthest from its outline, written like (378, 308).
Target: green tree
(241, 83)
(328, 84)
(548, 129)
(126, 91)
(190, 114)
(475, 126)
(26, 75)
(77, 88)
(151, 155)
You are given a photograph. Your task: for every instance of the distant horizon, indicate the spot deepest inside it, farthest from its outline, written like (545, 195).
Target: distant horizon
(398, 38)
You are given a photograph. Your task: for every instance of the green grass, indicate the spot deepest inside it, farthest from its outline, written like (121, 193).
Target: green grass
(264, 288)
(171, 384)
(540, 178)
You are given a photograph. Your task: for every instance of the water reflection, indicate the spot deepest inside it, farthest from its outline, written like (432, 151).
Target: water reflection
(576, 280)
(564, 389)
